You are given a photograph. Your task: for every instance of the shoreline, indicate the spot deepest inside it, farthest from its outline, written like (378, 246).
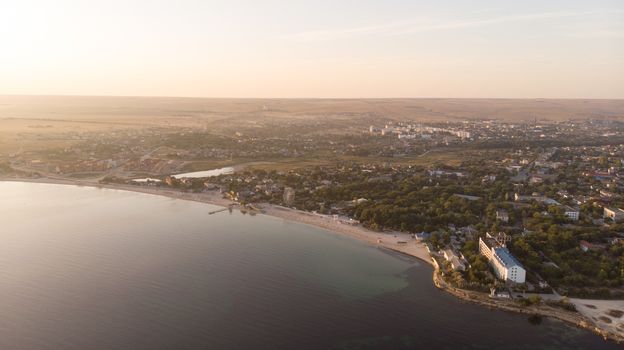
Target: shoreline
(576, 319)
(387, 240)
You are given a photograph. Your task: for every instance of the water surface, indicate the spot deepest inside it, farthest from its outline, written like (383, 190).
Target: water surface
(86, 268)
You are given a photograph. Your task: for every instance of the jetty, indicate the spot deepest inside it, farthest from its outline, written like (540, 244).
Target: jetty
(217, 211)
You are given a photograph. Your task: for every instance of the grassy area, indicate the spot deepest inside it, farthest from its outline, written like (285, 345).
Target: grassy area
(445, 156)
(448, 157)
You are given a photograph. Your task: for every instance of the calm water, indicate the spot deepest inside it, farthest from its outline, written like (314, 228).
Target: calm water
(84, 268)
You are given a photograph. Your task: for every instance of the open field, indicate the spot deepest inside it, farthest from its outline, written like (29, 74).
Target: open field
(43, 122)
(129, 110)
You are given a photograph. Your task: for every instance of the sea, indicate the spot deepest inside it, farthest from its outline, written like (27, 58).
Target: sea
(91, 268)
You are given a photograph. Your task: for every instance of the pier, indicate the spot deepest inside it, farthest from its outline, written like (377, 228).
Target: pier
(218, 211)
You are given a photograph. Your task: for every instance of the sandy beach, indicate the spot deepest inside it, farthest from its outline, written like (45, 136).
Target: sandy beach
(608, 315)
(389, 240)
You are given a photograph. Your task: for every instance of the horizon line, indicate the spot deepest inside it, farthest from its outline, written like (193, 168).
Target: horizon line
(316, 98)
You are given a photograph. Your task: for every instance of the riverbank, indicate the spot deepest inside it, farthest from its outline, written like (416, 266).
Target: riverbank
(396, 241)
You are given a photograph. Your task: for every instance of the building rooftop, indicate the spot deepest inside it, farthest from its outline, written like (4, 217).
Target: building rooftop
(464, 196)
(506, 258)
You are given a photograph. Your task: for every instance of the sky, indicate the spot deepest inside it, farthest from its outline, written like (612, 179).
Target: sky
(321, 48)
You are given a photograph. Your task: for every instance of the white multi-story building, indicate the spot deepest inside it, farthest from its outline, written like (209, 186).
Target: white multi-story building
(571, 213)
(463, 134)
(506, 266)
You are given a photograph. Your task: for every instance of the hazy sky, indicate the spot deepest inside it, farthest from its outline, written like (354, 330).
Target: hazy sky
(385, 48)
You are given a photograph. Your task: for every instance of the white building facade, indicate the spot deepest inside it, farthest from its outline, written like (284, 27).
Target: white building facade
(505, 265)
(571, 213)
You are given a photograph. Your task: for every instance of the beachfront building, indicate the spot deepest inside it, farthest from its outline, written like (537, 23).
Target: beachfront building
(453, 259)
(505, 265)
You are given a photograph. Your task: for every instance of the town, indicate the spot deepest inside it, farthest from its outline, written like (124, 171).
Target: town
(516, 211)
